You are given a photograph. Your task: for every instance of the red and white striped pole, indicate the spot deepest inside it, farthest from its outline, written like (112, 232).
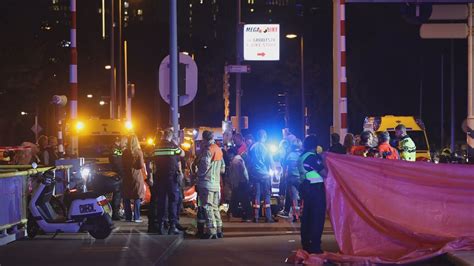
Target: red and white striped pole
(73, 75)
(339, 70)
(343, 77)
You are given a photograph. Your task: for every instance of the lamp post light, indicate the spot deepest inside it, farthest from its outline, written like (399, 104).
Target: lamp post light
(303, 103)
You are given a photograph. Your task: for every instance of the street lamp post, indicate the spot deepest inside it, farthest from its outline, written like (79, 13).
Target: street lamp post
(303, 102)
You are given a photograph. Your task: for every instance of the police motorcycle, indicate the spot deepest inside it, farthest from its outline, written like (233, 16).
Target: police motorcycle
(77, 212)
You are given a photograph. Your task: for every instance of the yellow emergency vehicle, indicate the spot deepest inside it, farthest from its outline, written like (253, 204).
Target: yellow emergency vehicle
(97, 137)
(415, 129)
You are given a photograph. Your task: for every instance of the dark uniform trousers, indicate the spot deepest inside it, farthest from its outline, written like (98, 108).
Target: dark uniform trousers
(179, 205)
(314, 216)
(168, 196)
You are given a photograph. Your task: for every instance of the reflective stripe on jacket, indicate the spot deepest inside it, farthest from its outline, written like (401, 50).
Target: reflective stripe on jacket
(167, 151)
(407, 149)
(312, 175)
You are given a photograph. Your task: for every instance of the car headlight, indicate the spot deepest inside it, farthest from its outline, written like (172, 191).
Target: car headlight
(85, 172)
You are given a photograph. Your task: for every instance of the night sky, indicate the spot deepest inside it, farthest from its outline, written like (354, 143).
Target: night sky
(386, 62)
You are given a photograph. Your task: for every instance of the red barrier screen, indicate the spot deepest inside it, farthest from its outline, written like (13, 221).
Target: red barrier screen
(385, 211)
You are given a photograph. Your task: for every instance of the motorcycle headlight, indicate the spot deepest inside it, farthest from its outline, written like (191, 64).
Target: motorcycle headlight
(85, 172)
(271, 172)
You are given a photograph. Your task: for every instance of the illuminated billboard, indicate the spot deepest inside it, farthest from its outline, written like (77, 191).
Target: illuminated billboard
(262, 42)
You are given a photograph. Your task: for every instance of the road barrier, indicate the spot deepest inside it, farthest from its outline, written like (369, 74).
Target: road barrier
(14, 192)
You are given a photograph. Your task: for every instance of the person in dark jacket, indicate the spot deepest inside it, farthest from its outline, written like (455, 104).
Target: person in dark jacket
(165, 185)
(336, 146)
(313, 194)
(117, 165)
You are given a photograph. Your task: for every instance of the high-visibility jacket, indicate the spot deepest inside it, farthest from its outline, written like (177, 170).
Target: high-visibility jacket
(388, 152)
(407, 149)
(308, 171)
(364, 151)
(359, 150)
(210, 165)
(117, 151)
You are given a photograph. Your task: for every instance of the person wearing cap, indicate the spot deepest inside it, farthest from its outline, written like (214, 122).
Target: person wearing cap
(385, 149)
(311, 168)
(165, 186)
(210, 166)
(406, 146)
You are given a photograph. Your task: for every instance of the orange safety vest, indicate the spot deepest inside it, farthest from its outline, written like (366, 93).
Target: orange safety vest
(388, 152)
(359, 150)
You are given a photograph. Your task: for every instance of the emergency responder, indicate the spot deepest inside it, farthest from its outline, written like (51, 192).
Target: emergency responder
(261, 163)
(179, 204)
(165, 185)
(210, 165)
(365, 148)
(406, 146)
(385, 149)
(313, 194)
(116, 159)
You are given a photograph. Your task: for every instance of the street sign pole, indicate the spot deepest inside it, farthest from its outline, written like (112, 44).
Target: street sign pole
(238, 80)
(470, 93)
(174, 68)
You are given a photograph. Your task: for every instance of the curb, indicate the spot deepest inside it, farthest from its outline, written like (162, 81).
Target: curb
(169, 251)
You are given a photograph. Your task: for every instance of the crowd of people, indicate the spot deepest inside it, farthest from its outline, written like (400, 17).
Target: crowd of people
(246, 166)
(44, 152)
(367, 144)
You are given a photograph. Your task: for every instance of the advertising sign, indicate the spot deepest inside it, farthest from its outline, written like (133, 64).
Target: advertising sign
(262, 42)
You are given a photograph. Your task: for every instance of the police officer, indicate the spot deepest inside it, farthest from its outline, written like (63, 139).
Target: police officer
(165, 185)
(117, 166)
(313, 194)
(406, 146)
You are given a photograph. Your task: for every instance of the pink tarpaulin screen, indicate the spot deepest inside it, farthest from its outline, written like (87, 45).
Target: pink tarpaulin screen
(385, 211)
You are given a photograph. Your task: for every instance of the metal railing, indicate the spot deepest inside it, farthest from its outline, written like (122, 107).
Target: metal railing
(14, 193)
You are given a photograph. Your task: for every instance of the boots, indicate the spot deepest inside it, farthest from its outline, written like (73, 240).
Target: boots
(220, 234)
(200, 230)
(173, 230)
(155, 229)
(180, 227)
